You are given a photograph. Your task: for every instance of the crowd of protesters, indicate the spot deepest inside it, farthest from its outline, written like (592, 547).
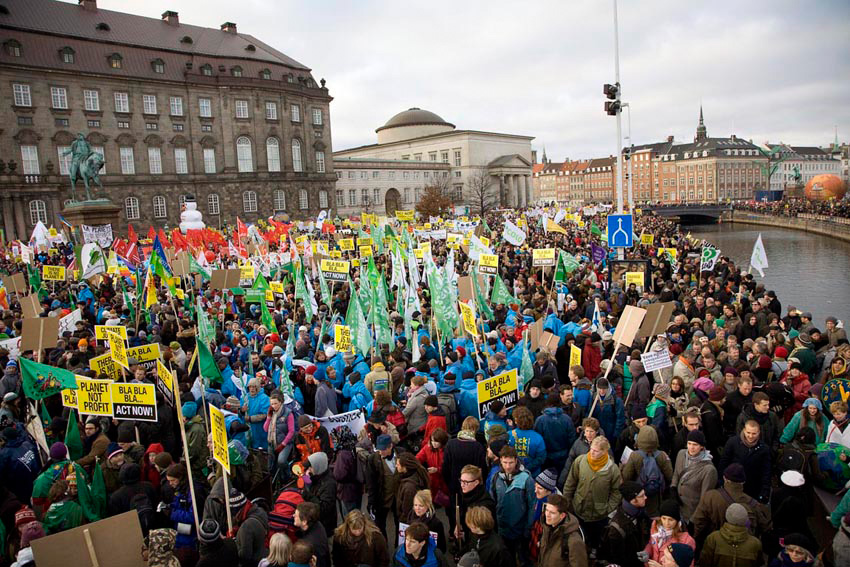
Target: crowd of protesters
(714, 460)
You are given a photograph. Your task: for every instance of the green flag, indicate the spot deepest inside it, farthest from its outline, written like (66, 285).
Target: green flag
(41, 381)
(323, 287)
(260, 282)
(380, 318)
(128, 303)
(480, 300)
(595, 229)
(567, 264)
(501, 294)
(98, 490)
(196, 268)
(355, 319)
(301, 292)
(72, 437)
(526, 371)
(158, 268)
(206, 332)
(267, 318)
(206, 364)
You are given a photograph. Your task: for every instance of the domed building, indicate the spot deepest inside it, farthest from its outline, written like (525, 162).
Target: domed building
(417, 148)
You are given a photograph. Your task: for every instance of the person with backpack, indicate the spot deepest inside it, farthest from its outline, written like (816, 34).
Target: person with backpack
(732, 545)
(431, 457)
(710, 513)
(628, 529)
(497, 414)
(280, 426)
(650, 467)
(558, 432)
(561, 542)
(349, 470)
(512, 489)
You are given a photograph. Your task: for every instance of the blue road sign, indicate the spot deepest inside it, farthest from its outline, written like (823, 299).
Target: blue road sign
(620, 231)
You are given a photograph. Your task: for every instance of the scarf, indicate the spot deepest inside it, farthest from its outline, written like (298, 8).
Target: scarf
(747, 444)
(661, 536)
(597, 464)
(466, 435)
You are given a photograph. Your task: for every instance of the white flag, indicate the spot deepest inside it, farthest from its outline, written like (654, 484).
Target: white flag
(513, 234)
(709, 258)
(759, 258)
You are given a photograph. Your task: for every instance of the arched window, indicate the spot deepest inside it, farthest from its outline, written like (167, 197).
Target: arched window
(131, 208)
(273, 153)
(236, 71)
(206, 70)
(244, 159)
(115, 61)
(266, 74)
(212, 204)
(303, 199)
(323, 199)
(67, 55)
(12, 48)
(296, 156)
(158, 66)
(279, 200)
(38, 211)
(159, 209)
(249, 202)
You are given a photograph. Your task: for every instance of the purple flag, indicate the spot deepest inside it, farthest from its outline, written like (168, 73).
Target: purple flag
(597, 253)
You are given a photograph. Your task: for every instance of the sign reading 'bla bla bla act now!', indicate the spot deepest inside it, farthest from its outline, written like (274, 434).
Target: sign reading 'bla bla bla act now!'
(503, 387)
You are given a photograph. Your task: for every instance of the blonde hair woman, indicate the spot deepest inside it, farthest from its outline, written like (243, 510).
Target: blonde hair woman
(280, 552)
(359, 541)
(423, 511)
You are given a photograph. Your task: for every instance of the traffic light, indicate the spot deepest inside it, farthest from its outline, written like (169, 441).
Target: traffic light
(612, 92)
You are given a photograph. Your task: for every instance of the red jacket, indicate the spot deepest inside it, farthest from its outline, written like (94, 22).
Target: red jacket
(431, 458)
(436, 419)
(591, 361)
(801, 387)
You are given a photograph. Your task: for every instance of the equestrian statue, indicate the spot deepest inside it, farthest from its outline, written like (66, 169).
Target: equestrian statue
(85, 165)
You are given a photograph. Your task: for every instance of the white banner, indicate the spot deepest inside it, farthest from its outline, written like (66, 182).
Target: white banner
(513, 234)
(13, 346)
(655, 360)
(354, 420)
(69, 321)
(99, 234)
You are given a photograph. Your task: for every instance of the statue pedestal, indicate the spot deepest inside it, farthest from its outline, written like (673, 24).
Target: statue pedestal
(100, 211)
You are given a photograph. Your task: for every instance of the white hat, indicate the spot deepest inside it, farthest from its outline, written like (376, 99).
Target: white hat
(792, 478)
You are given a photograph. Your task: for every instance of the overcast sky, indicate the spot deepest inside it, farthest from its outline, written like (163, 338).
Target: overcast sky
(775, 70)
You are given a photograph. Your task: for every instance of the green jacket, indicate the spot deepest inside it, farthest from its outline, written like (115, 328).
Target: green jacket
(62, 516)
(196, 439)
(731, 546)
(793, 427)
(593, 495)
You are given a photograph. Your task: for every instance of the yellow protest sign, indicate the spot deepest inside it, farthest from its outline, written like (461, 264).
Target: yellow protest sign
(335, 254)
(179, 294)
(485, 241)
(53, 273)
(246, 272)
(488, 263)
(419, 254)
(342, 338)
(133, 401)
(364, 241)
(468, 314)
(404, 216)
(53, 234)
(453, 240)
(93, 396)
(575, 356)
(336, 270)
(355, 263)
(145, 355)
(634, 278)
(164, 375)
(346, 244)
(104, 364)
(425, 246)
(501, 387)
(542, 257)
(365, 251)
(69, 397)
(647, 239)
(52, 251)
(117, 349)
(673, 252)
(101, 330)
(269, 295)
(219, 435)
(277, 287)
(367, 218)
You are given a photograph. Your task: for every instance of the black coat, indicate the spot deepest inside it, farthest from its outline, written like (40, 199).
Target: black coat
(322, 492)
(755, 460)
(734, 406)
(317, 537)
(621, 546)
(712, 426)
(121, 500)
(459, 453)
(478, 496)
(222, 553)
(492, 551)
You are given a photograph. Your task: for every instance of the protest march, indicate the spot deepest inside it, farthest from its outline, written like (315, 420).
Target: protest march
(504, 390)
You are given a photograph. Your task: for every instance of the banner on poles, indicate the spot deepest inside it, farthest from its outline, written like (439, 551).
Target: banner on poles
(93, 397)
(100, 234)
(543, 257)
(503, 387)
(354, 420)
(133, 401)
(219, 435)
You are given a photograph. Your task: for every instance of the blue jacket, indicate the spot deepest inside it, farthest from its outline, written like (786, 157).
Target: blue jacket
(358, 394)
(530, 447)
(181, 513)
(583, 397)
(515, 502)
(430, 556)
(241, 437)
(609, 411)
(229, 388)
(258, 404)
(467, 399)
(358, 365)
(558, 432)
(515, 357)
(20, 465)
(491, 419)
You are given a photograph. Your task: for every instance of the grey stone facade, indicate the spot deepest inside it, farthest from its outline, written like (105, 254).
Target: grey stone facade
(218, 88)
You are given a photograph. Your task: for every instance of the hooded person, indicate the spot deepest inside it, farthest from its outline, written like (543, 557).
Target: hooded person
(133, 494)
(657, 478)
(321, 489)
(19, 463)
(215, 550)
(732, 544)
(608, 410)
(160, 549)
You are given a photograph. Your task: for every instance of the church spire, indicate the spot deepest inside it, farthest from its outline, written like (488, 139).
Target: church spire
(702, 134)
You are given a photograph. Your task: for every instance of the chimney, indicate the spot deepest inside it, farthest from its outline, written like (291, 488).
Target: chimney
(734, 138)
(670, 139)
(170, 18)
(90, 5)
(228, 27)
(533, 156)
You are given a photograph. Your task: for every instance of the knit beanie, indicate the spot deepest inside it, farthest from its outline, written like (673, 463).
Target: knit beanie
(682, 554)
(210, 531)
(737, 515)
(58, 451)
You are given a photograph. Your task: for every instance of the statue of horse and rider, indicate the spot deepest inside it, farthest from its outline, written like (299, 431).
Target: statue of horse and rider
(85, 165)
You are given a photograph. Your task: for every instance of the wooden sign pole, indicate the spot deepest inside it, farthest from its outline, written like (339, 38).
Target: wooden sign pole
(179, 408)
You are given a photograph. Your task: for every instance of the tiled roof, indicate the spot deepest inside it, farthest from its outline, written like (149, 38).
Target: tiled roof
(72, 21)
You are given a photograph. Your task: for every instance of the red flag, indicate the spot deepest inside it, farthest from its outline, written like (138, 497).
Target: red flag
(242, 230)
(180, 243)
(163, 239)
(131, 234)
(151, 234)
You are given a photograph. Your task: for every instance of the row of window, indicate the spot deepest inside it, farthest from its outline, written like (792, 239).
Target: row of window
(244, 154)
(22, 96)
(432, 156)
(249, 203)
(390, 174)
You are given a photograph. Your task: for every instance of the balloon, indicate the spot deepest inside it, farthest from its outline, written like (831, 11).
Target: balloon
(210, 256)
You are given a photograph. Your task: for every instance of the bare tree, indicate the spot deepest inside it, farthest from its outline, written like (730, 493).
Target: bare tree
(434, 202)
(481, 195)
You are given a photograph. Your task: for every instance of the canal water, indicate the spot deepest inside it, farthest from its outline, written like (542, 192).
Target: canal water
(808, 271)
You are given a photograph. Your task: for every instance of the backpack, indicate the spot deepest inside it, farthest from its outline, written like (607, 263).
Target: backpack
(144, 508)
(792, 459)
(282, 514)
(750, 505)
(650, 476)
(397, 419)
(448, 404)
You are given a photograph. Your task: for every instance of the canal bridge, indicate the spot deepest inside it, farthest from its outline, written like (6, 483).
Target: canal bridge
(695, 213)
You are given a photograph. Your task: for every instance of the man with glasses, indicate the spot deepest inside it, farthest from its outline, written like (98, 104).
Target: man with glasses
(473, 493)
